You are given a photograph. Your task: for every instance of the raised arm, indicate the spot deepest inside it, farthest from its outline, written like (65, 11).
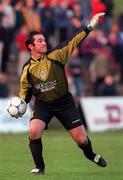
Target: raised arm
(62, 52)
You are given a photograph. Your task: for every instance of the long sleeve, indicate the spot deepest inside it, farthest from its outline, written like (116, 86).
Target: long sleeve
(25, 87)
(62, 52)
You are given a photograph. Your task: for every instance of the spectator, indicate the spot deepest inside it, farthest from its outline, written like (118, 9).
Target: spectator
(120, 21)
(107, 87)
(6, 34)
(86, 10)
(97, 7)
(88, 48)
(8, 10)
(78, 11)
(75, 24)
(101, 38)
(41, 7)
(18, 6)
(57, 2)
(76, 20)
(62, 20)
(4, 89)
(46, 14)
(116, 29)
(102, 65)
(116, 45)
(6, 31)
(75, 65)
(1, 11)
(117, 51)
(109, 14)
(23, 53)
(31, 17)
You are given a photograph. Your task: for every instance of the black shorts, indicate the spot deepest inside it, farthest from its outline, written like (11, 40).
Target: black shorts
(63, 109)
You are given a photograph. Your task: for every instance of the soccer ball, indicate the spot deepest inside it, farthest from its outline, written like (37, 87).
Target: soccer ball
(17, 107)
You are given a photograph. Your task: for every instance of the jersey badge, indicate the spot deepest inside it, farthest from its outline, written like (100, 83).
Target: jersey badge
(43, 75)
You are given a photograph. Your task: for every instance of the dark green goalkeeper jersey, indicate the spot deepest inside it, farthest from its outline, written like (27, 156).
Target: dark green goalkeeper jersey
(45, 77)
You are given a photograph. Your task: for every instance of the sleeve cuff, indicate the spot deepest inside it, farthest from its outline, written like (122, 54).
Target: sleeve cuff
(87, 31)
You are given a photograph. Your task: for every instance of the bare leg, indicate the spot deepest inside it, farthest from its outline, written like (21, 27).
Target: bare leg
(36, 128)
(79, 135)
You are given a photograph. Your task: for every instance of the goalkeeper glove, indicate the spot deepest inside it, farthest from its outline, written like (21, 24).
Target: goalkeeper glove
(94, 21)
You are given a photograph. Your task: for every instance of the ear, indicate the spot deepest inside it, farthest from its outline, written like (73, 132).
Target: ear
(30, 46)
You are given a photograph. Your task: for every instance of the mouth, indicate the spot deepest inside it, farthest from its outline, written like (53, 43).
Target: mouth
(45, 47)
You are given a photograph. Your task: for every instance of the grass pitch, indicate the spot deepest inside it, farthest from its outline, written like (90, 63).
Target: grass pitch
(64, 160)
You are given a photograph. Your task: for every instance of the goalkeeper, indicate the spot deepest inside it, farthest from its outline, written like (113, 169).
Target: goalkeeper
(43, 76)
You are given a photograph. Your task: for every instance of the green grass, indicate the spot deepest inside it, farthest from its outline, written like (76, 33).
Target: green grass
(64, 161)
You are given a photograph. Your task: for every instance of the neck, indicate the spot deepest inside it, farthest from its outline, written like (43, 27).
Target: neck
(37, 55)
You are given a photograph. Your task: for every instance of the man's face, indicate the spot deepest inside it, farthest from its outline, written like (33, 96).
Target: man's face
(40, 45)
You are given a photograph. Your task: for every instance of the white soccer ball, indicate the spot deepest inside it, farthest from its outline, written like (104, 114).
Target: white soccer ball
(17, 106)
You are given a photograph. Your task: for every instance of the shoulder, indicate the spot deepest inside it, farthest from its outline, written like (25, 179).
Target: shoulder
(27, 64)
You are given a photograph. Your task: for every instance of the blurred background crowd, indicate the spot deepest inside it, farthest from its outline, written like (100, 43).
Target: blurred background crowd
(95, 67)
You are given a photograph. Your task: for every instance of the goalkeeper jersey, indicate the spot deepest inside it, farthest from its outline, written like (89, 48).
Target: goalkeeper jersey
(45, 77)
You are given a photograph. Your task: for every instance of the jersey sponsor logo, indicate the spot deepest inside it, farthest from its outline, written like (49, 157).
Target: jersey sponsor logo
(46, 86)
(43, 75)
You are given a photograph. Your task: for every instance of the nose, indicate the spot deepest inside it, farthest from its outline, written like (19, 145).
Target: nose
(44, 43)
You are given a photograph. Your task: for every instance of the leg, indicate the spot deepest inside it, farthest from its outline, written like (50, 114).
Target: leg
(68, 115)
(36, 128)
(80, 137)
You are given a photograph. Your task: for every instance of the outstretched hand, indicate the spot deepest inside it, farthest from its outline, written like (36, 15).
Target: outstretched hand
(99, 15)
(95, 19)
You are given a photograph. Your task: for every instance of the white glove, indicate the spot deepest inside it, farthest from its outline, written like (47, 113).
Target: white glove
(94, 20)
(17, 107)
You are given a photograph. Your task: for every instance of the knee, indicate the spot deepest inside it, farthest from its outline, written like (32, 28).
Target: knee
(80, 139)
(33, 134)
(79, 135)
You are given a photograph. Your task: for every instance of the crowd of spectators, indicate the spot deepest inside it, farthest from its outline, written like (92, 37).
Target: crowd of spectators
(97, 61)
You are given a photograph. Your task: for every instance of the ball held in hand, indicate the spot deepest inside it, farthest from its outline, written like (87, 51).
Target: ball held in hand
(17, 107)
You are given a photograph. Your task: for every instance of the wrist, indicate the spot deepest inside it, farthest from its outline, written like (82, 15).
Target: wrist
(89, 27)
(87, 30)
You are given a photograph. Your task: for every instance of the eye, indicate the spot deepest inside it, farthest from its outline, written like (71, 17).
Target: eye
(41, 40)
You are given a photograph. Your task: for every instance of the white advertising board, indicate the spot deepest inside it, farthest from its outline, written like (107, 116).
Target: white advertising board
(103, 113)
(9, 124)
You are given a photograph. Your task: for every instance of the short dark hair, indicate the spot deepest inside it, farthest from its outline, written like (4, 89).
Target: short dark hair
(30, 38)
